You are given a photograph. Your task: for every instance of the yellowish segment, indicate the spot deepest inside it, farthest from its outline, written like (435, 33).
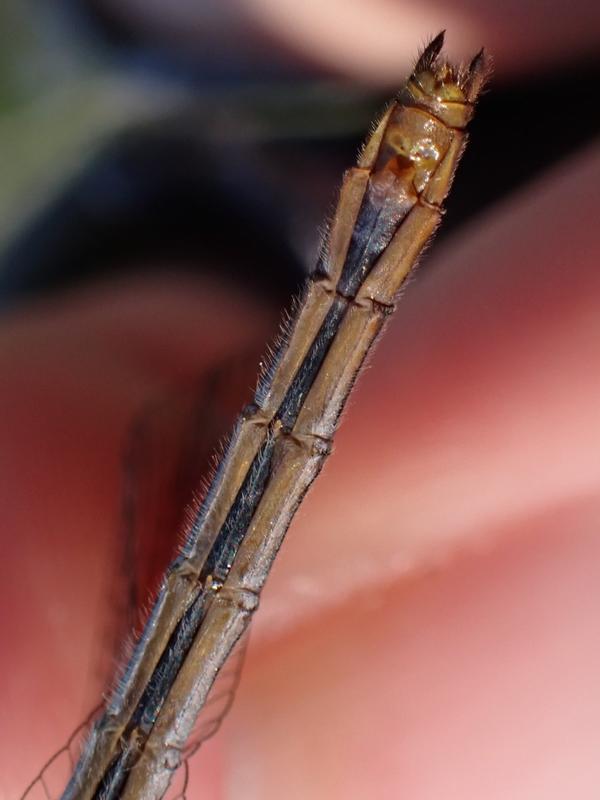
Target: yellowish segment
(316, 303)
(452, 112)
(417, 139)
(295, 465)
(383, 282)
(389, 273)
(324, 401)
(241, 452)
(368, 154)
(351, 197)
(440, 182)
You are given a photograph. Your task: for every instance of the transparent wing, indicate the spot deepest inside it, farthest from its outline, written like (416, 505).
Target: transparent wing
(53, 776)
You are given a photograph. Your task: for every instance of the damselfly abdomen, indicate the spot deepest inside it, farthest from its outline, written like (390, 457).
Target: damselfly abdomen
(389, 206)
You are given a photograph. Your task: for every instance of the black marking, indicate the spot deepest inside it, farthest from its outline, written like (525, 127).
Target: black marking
(381, 212)
(218, 564)
(304, 378)
(168, 666)
(225, 547)
(197, 527)
(112, 783)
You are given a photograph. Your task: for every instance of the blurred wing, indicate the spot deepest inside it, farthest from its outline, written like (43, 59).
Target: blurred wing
(166, 462)
(167, 459)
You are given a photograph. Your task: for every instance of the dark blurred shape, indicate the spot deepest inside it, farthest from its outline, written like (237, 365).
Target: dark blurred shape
(166, 196)
(153, 198)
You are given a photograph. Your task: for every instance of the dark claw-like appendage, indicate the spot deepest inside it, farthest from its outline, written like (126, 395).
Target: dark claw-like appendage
(430, 53)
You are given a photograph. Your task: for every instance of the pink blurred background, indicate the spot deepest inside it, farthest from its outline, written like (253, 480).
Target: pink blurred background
(431, 627)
